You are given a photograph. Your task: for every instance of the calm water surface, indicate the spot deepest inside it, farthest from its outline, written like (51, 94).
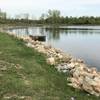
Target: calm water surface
(79, 41)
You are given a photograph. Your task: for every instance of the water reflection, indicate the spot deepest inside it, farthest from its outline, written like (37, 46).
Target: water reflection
(55, 33)
(81, 43)
(52, 33)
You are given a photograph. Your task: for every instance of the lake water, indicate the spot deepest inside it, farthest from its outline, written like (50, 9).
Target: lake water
(80, 41)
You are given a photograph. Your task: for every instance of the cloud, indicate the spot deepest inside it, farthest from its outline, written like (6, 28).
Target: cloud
(67, 7)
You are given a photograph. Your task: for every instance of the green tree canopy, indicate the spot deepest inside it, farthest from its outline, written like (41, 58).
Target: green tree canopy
(53, 16)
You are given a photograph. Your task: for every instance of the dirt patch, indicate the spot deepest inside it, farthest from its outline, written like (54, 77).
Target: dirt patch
(4, 66)
(10, 96)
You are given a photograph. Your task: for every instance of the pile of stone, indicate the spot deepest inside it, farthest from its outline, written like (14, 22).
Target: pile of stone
(54, 56)
(81, 77)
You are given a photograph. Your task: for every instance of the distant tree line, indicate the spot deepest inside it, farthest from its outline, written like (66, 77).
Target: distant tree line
(54, 17)
(18, 22)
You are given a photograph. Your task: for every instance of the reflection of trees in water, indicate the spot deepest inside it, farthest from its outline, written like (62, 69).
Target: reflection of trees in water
(80, 31)
(21, 31)
(53, 33)
(27, 31)
(42, 31)
(73, 31)
(83, 32)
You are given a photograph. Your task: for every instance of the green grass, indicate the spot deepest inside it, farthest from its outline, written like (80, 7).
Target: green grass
(24, 72)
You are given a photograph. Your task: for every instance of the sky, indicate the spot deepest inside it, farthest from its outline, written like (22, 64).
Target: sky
(36, 7)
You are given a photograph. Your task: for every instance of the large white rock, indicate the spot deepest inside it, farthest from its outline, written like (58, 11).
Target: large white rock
(30, 45)
(41, 49)
(59, 56)
(51, 61)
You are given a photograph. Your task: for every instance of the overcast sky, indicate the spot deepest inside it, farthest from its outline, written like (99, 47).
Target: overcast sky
(67, 7)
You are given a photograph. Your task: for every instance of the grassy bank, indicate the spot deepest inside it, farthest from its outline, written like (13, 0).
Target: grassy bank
(25, 75)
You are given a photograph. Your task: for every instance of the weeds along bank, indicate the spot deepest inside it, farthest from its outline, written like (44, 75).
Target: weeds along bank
(80, 76)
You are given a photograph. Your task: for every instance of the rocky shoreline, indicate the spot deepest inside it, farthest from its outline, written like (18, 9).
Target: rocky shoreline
(81, 77)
